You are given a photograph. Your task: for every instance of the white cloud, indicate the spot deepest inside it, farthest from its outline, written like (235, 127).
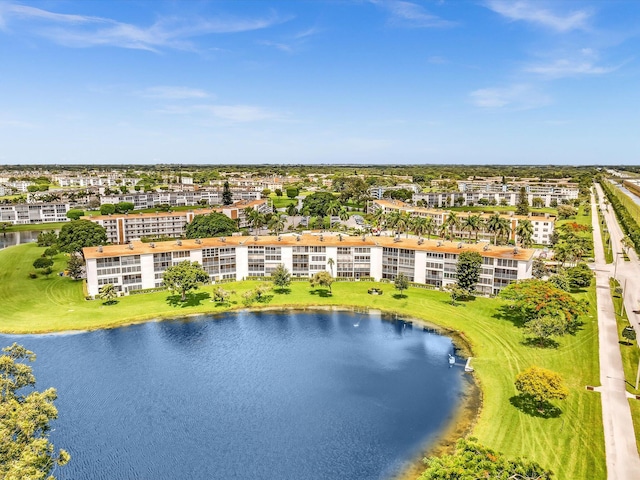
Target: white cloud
(408, 14)
(568, 68)
(532, 12)
(228, 113)
(89, 31)
(517, 97)
(173, 93)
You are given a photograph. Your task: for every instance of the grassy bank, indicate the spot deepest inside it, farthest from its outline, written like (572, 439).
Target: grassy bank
(571, 444)
(35, 227)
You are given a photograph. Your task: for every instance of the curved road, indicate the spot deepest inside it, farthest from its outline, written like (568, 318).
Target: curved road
(623, 462)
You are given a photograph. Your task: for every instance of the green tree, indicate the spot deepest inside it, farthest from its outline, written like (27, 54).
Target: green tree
(212, 225)
(321, 279)
(278, 192)
(543, 328)
(75, 266)
(472, 461)
(522, 208)
(75, 214)
(468, 271)
(108, 293)
(541, 385)
(78, 234)
(107, 209)
(561, 281)
(220, 295)
(401, 282)
(318, 203)
(276, 224)
(25, 450)
(292, 192)
(330, 263)
(227, 196)
(537, 202)
(494, 223)
(472, 223)
(292, 210)
(566, 211)
(42, 262)
(580, 276)
(455, 292)
(51, 252)
(184, 277)
(47, 239)
(281, 277)
(538, 268)
(629, 333)
(124, 207)
(524, 232)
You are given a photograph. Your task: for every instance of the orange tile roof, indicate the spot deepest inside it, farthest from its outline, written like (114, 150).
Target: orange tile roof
(308, 240)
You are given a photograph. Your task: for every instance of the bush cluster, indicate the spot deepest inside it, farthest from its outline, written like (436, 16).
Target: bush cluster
(629, 224)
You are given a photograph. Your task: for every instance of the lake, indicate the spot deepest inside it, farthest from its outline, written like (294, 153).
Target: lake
(9, 239)
(259, 395)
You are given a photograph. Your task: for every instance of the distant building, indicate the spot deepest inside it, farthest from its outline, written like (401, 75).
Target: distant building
(23, 213)
(178, 199)
(124, 228)
(543, 225)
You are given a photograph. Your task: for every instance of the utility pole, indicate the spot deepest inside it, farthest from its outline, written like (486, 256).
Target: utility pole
(638, 375)
(624, 291)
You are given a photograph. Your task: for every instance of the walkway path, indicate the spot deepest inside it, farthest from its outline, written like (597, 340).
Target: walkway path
(623, 462)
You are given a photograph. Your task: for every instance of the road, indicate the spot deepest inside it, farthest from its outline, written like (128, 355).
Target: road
(623, 462)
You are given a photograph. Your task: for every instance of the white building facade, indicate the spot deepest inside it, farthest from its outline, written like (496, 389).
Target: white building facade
(140, 266)
(28, 213)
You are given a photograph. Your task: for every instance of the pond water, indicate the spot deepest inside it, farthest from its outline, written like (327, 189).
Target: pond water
(9, 239)
(248, 395)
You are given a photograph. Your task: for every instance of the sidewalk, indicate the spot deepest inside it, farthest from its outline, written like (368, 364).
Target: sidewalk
(623, 462)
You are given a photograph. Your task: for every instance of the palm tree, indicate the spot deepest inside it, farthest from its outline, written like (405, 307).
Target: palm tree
(403, 222)
(344, 214)
(493, 226)
(391, 219)
(378, 218)
(419, 225)
(472, 223)
(108, 293)
(429, 226)
(292, 211)
(504, 228)
(524, 232)
(330, 264)
(333, 208)
(452, 222)
(276, 224)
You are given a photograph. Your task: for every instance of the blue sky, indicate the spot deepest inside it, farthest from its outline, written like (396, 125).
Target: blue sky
(336, 81)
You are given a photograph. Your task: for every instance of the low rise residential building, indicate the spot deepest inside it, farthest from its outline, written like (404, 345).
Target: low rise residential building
(28, 213)
(178, 199)
(124, 228)
(379, 191)
(543, 225)
(140, 265)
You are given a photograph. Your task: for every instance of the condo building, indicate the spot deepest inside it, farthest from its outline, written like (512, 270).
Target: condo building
(138, 265)
(23, 213)
(543, 225)
(123, 228)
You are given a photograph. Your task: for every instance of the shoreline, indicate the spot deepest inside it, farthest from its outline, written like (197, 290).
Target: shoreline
(458, 425)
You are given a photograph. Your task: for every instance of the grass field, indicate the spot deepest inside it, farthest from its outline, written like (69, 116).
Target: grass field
(572, 444)
(33, 227)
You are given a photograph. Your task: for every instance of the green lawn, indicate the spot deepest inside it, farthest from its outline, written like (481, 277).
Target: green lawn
(35, 227)
(283, 201)
(572, 445)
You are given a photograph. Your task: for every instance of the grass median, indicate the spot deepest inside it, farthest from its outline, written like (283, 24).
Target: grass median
(572, 444)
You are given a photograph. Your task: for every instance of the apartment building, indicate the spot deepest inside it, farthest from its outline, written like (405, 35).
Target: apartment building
(378, 192)
(543, 225)
(23, 213)
(142, 201)
(124, 228)
(140, 265)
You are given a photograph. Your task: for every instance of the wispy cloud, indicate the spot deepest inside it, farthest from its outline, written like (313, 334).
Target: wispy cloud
(412, 15)
(568, 68)
(13, 123)
(533, 12)
(173, 93)
(292, 43)
(517, 97)
(228, 113)
(89, 31)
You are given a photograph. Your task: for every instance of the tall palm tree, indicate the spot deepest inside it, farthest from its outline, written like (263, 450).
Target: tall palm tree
(344, 214)
(379, 218)
(333, 208)
(493, 226)
(276, 224)
(452, 222)
(418, 225)
(391, 219)
(472, 223)
(403, 222)
(429, 226)
(504, 228)
(524, 232)
(330, 264)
